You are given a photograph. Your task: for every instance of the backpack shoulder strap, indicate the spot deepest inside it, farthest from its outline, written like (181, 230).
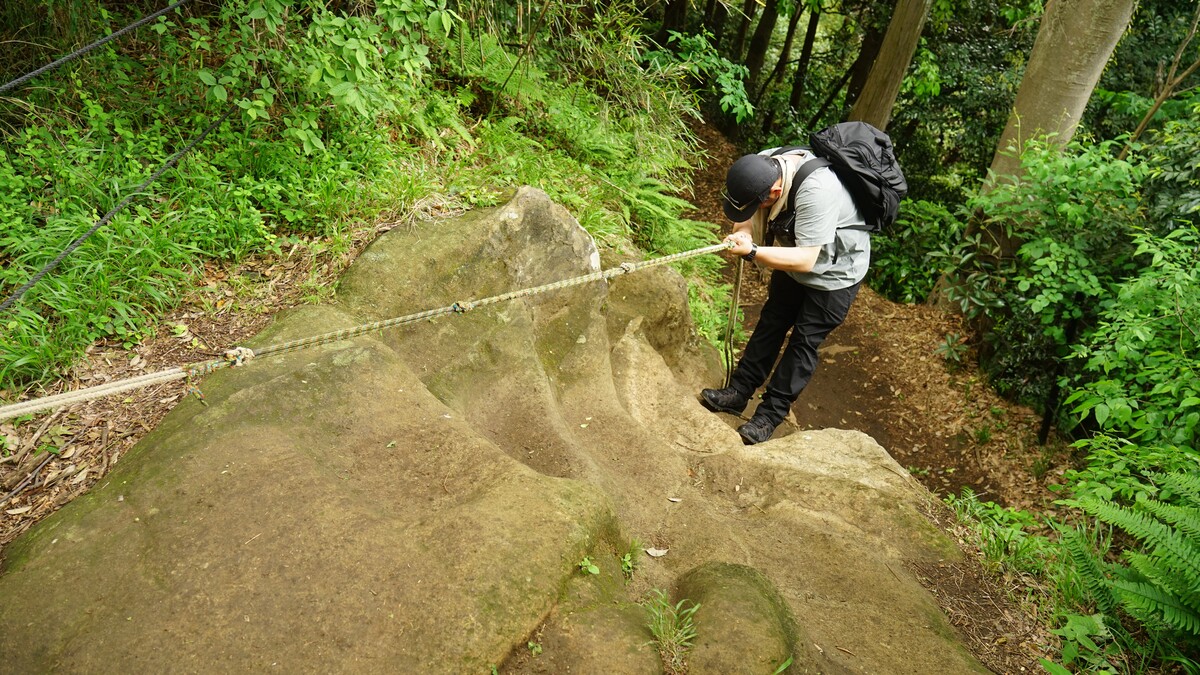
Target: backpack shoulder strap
(801, 175)
(786, 221)
(789, 150)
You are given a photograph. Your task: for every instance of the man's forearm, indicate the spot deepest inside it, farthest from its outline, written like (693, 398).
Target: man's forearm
(788, 258)
(784, 258)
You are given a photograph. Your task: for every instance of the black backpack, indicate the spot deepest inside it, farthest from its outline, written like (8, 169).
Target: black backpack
(864, 161)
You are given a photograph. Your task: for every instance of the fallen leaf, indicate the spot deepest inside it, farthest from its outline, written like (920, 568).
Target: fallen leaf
(79, 477)
(18, 511)
(657, 552)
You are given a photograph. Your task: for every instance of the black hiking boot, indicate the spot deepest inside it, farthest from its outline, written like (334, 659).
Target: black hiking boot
(728, 400)
(757, 430)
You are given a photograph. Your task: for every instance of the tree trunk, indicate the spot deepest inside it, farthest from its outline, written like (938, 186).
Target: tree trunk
(674, 19)
(871, 43)
(784, 55)
(810, 37)
(757, 55)
(874, 105)
(715, 20)
(739, 41)
(1073, 45)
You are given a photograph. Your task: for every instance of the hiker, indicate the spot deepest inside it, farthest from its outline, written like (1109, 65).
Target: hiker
(821, 253)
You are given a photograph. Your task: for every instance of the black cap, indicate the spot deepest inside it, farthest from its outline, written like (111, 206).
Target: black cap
(747, 184)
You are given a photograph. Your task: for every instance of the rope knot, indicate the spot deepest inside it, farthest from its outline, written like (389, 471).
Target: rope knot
(628, 267)
(238, 356)
(460, 307)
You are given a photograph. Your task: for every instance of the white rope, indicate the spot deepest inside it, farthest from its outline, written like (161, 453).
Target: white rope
(81, 395)
(239, 355)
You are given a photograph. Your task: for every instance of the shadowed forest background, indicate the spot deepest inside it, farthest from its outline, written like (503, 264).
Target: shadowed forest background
(1052, 153)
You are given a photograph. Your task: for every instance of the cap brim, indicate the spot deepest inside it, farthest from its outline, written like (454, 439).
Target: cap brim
(739, 216)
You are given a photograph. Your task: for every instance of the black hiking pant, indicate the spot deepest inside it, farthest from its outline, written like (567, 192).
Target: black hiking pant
(810, 314)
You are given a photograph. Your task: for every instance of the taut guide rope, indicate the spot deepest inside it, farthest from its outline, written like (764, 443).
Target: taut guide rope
(731, 321)
(239, 355)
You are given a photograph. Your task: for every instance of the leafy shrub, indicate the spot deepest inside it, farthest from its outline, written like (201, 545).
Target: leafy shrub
(1072, 211)
(908, 258)
(341, 116)
(1118, 469)
(1141, 366)
(274, 170)
(696, 58)
(1172, 188)
(1050, 249)
(1021, 361)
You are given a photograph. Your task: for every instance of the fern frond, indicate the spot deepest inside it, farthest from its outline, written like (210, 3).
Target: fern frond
(1146, 528)
(1160, 573)
(1090, 569)
(1186, 518)
(491, 66)
(1144, 600)
(1186, 484)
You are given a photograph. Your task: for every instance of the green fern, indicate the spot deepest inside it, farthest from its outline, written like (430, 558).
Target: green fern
(1184, 484)
(1145, 599)
(655, 212)
(1144, 568)
(1091, 570)
(1160, 583)
(1171, 545)
(1186, 518)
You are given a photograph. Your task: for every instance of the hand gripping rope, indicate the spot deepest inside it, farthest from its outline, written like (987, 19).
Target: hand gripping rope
(240, 355)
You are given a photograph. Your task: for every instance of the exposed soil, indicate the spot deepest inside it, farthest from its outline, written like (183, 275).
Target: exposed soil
(881, 374)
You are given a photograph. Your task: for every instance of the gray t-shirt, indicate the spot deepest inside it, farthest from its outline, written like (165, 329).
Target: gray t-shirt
(826, 217)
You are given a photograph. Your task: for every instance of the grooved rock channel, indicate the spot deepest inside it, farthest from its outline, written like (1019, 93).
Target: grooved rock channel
(420, 500)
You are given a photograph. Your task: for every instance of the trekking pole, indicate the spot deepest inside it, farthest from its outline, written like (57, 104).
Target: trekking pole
(732, 322)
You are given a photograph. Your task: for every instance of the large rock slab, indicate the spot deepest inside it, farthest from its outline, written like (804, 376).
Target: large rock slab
(420, 500)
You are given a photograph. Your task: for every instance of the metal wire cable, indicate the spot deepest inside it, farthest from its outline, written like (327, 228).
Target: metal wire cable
(239, 355)
(83, 50)
(174, 159)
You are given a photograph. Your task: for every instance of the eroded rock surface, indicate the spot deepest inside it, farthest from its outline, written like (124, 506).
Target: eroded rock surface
(420, 500)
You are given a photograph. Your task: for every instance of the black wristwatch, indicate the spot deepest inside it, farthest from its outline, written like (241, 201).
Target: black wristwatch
(749, 257)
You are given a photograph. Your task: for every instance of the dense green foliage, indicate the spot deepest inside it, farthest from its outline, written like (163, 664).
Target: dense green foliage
(908, 260)
(341, 116)
(1102, 300)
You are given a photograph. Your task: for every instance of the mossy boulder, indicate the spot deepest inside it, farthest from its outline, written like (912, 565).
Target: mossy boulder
(419, 499)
